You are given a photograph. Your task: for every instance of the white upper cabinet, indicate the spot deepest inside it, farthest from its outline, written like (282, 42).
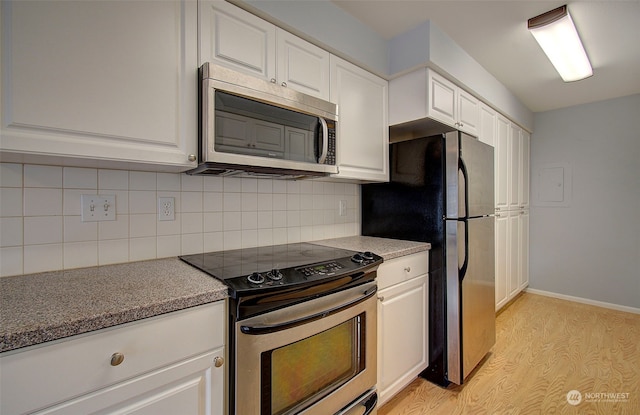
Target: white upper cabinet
(502, 160)
(425, 93)
(524, 173)
(362, 130)
(488, 125)
(515, 165)
(468, 112)
(109, 84)
(237, 39)
(302, 66)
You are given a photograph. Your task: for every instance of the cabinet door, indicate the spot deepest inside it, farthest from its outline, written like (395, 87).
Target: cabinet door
(237, 39)
(468, 113)
(402, 335)
(191, 387)
(524, 170)
(441, 102)
(515, 157)
(502, 160)
(488, 126)
(362, 128)
(513, 253)
(502, 259)
(523, 231)
(302, 66)
(108, 81)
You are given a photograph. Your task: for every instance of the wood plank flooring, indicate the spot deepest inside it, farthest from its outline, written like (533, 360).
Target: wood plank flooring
(545, 348)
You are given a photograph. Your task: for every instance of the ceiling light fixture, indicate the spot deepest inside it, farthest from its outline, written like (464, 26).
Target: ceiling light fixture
(558, 38)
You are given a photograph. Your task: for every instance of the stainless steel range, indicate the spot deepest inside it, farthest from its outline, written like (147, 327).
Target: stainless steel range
(302, 328)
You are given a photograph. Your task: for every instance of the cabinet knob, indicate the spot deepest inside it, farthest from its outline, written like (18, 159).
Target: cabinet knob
(381, 298)
(218, 361)
(407, 269)
(273, 80)
(284, 84)
(192, 157)
(117, 358)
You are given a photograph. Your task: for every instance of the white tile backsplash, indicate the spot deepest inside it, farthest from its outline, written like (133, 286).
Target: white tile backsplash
(41, 227)
(41, 258)
(42, 176)
(42, 202)
(11, 201)
(79, 178)
(10, 175)
(114, 180)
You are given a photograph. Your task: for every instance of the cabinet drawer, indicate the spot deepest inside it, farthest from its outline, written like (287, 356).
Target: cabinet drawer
(402, 269)
(45, 375)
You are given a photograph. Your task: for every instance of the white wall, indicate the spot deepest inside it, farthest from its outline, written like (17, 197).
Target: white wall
(41, 228)
(591, 247)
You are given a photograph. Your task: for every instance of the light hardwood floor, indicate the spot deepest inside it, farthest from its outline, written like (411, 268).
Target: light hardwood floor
(545, 347)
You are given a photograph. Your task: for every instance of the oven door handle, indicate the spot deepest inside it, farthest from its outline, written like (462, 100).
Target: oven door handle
(257, 329)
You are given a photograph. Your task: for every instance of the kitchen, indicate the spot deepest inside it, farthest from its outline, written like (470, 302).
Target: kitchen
(227, 213)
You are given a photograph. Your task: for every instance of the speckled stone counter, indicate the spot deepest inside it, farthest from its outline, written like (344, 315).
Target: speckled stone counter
(386, 248)
(48, 306)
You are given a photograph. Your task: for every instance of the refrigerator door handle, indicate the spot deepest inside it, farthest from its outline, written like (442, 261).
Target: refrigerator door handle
(465, 178)
(463, 269)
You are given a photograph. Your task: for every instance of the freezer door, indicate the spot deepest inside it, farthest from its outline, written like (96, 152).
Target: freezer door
(469, 176)
(470, 294)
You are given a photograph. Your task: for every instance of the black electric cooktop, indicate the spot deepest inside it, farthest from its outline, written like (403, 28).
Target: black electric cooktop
(271, 267)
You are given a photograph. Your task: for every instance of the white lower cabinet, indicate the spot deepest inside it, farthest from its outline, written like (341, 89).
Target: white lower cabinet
(512, 254)
(403, 322)
(171, 364)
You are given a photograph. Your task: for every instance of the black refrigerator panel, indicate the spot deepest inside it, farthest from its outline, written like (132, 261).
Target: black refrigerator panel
(411, 207)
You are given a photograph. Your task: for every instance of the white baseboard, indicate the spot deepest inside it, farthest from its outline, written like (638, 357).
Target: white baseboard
(618, 307)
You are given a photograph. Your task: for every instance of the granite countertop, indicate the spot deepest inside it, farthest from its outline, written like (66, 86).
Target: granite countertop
(386, 248)
(37, 308)
(48, 306)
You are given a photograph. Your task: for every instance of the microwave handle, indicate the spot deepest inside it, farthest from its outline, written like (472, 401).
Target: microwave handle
(325, 141)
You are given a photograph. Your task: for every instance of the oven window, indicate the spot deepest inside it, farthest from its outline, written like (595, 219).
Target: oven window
(301, 373)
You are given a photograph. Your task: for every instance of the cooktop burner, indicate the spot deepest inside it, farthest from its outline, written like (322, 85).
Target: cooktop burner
(270, 267)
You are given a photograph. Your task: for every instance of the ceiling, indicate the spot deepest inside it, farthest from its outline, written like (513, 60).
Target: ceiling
(495, 34)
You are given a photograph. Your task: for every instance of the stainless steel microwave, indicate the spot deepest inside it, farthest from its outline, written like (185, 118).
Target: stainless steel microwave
(249, 126)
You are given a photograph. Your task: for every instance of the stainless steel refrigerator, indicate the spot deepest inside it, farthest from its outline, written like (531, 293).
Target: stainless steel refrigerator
(441, 191)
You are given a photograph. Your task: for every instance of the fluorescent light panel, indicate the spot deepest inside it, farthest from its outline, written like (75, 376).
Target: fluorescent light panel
(557, 36)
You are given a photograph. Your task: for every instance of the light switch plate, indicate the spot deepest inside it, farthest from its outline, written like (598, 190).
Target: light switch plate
(98, 208)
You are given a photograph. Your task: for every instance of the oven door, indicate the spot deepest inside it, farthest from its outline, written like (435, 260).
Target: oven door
(316, 357)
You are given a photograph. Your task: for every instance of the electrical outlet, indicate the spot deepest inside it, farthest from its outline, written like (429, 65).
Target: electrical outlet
(98, 208)
(166, 208)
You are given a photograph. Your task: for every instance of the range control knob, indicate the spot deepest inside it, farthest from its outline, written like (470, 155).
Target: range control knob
(357, 258)
(274, 274)
(367, 255)
(255, 278)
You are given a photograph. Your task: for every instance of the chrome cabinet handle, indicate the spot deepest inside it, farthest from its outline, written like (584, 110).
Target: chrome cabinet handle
(381, 298)
(273, 80)
(117, 358)
(192, 157)
(284, 84)
(218, 361)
